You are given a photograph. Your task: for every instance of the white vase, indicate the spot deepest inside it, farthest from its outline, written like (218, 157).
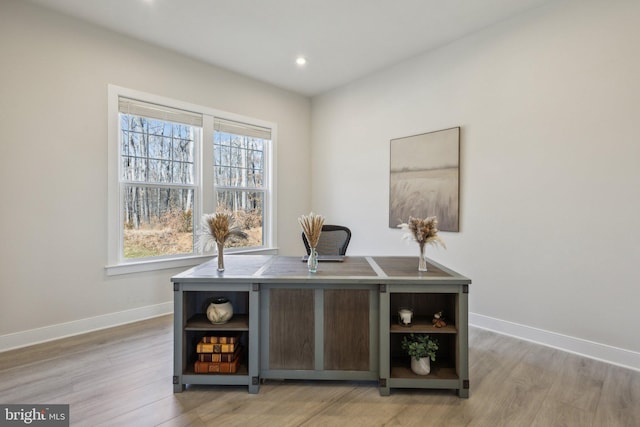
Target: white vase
(219, 311)
(421, 366)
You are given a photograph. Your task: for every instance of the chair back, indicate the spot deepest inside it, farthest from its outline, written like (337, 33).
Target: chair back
(334, 240)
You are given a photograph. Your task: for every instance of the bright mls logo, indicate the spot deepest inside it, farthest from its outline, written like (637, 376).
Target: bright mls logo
(34, 415)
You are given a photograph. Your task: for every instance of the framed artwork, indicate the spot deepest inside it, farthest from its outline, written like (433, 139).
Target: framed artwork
(425, 178)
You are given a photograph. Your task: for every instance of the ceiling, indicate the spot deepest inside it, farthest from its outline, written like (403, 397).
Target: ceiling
(342, 40)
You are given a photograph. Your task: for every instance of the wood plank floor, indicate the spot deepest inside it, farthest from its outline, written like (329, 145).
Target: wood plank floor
(122, 377)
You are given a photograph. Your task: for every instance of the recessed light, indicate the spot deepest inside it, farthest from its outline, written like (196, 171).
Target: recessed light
(301, 60)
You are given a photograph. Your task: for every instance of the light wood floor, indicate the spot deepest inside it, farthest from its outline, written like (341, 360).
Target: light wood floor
(122, 377)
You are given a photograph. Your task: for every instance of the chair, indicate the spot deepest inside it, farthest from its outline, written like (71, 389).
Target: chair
(334, 240)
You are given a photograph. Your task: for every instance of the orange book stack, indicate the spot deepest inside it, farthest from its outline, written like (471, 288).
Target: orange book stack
(218, 355)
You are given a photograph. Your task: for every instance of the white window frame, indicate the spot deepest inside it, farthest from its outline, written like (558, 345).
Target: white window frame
(204, 193)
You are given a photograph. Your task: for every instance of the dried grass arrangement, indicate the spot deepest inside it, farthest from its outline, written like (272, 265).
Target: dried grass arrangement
(217, 229)
(425, 232)
(312, 227)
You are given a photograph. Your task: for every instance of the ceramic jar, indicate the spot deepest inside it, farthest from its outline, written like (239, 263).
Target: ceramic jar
(219, 311)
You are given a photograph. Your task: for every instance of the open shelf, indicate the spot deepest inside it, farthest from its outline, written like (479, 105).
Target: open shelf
(242, 370)
(449, 371)
(191, 301)
(437, 373)
(422, 325)
(199, 322)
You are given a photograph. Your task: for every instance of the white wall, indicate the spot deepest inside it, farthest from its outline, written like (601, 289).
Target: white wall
(53, 111)
(549, 105)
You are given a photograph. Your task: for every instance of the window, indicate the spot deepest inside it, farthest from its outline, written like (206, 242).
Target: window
(239, 166)
(171, 162)
(157, 179)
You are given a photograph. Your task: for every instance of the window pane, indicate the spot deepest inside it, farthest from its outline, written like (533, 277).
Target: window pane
(182, 173)
(247, 208)
(254, 169)
(155, 171)
(156, 127)
(217, 153)
(159, 147)
(157, 221)
(220, 176)
(182, 131)
(124, 146)
(239, 160)
(124, 122)
(134, 168)
(156, 151)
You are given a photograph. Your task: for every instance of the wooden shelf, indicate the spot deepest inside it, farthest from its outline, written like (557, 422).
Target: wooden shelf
(199, 322)
(422, 326)
(437, 373)
(450, 371)
(242, 370)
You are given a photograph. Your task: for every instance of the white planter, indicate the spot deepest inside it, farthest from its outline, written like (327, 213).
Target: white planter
(421, 366)
(219, 311)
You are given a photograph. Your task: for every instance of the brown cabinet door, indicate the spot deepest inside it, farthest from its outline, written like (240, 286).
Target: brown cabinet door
(346, 329)
(291, 329)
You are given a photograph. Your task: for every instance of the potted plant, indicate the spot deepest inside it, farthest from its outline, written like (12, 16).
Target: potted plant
(422, 350)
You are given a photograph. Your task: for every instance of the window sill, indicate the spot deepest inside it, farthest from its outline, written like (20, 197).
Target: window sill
(164, 264)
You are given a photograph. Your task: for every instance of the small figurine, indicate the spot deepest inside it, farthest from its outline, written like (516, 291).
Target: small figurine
(438, 320)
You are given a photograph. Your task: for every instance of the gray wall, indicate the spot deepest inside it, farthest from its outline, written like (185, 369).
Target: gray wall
(549, 105)
(53, 106)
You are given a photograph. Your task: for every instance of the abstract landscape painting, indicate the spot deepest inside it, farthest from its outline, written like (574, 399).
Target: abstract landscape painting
(425, 178)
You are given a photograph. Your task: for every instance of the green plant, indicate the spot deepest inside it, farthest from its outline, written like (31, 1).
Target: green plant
(419, 346)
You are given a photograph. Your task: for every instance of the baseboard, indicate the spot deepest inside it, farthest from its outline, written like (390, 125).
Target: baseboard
(593, 350)
(605, 353)
(77, 327)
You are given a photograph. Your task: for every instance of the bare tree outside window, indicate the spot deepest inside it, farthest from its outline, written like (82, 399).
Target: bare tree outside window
(171, 162)
(239, 182)
(157, 176)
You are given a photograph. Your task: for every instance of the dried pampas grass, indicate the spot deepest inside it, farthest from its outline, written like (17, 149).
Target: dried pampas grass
(423, 231)
(312, 227)
(217, 229)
